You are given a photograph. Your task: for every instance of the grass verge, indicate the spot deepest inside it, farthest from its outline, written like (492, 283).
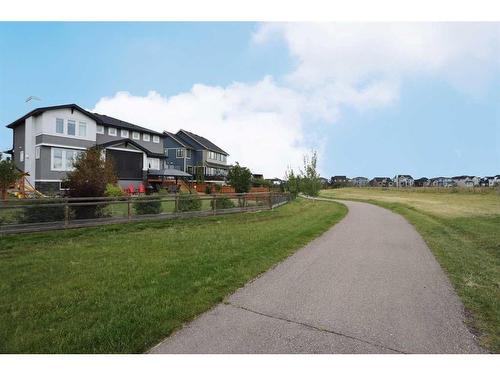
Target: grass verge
(122, 288)
(468, 249)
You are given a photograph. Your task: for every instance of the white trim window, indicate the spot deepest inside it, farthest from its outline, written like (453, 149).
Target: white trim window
(189, 153)
(124, 133)
(145, 137)
(99, 129)
(112, 132)
(21, 156)
(154, 163)
(136, 135)
(179, 153)
(62, 159)
(59, 126)
(71, 128)
(37, 152)
(82, 129)
(156, 139)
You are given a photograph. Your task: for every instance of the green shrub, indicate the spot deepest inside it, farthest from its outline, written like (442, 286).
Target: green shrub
(148, 205)
(39, 213)
(208, 189)
(188, 202)
(113, 191)
(222, 203)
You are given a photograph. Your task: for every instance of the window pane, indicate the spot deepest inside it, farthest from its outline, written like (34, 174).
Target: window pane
(136, 135)
(57, 158)
(59, 126)
(145, 137)
(124, 133)
(156, 139)
(71, 127)
(82, 129)
(100, 129)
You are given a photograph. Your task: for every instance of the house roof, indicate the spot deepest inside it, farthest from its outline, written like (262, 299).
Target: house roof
(404, 176)
(203, 142)
(177, 139)
(133, 143)
(100, 119)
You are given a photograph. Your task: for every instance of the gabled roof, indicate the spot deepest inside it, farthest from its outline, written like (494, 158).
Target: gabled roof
(98, 118)
(177, 139)
(203, 142)
(127, 141)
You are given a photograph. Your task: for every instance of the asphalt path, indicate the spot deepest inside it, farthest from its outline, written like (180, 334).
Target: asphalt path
(369, 284)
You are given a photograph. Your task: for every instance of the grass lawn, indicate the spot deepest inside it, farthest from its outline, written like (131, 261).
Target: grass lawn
(463, 231)
(123, 288)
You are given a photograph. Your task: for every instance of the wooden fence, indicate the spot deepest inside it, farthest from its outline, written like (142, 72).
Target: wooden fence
(35, 215)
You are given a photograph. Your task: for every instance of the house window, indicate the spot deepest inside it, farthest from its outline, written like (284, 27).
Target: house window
(188, 153)
(136, 135)
(156, 139)
(124, 133)
(59, 126)
(37, 152)
(82, 129)
(154, 163)
(145, 137)
(100, 129)
(112, 131)
(71, 127)
(63, 159)
(21, 156)
(179, 153)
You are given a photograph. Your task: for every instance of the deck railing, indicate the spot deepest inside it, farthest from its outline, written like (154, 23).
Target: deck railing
(34, 215)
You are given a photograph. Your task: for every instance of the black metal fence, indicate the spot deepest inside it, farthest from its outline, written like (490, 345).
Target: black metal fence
(34, 215)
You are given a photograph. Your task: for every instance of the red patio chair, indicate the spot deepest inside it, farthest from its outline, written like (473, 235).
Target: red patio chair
(131, 189)
(142, 189)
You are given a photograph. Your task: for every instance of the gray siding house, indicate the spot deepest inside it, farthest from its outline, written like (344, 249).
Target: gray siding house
(47, 140)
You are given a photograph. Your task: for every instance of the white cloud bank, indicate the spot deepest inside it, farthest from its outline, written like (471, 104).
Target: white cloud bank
(263, 124)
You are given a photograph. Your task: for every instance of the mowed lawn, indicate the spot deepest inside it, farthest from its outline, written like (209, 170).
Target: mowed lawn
(123, 288)
(462, 228)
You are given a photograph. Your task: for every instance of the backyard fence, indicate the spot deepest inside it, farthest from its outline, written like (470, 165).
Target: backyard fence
(34, 215)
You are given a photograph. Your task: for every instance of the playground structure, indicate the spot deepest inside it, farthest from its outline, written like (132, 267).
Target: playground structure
(23, 189)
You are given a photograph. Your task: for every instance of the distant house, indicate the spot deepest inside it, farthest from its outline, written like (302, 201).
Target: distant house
(359, 181)
(403, 180)
(490, 181)
(257, 176)
(466, 181)
(442, 182)
(275, 181)
(338, 180)
(324, 181)
(421, 182)
(381, 182)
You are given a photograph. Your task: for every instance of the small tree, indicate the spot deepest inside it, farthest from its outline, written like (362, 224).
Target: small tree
(292, 184)
(8, 176)
(310, 182)
(89, 178)
(240, 178)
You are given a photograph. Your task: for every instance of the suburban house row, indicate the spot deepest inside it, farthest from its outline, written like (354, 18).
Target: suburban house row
(46, 142)
(404, 180)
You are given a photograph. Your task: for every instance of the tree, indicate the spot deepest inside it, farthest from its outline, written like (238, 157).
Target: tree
(310, 182)
(240, 178)
(292, 183)
(89, 178)
(8, 176)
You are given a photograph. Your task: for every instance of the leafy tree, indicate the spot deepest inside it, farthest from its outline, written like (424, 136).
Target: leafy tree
(292, 184)
(8, 176)
(310, 182)
(90, 177)
(240, 178)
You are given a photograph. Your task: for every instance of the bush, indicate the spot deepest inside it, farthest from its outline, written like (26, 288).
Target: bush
(208, 189)
(113, 191)
(40, 214)
(222, 203)
(188, 202)
(150, 207)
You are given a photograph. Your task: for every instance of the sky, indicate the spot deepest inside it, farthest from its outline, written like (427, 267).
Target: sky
(373, 99)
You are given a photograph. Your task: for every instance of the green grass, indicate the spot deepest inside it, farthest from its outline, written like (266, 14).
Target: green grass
(463, 231)
(122, 288)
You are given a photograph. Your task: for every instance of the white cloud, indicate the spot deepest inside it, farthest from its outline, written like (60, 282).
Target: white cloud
(267, 126)
(258, 124)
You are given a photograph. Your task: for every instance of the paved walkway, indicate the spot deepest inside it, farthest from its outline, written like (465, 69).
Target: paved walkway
(368, 285)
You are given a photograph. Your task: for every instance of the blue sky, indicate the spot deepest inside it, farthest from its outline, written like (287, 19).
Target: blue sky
(424, 102)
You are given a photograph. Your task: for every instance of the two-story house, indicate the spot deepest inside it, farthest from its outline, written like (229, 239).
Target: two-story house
(381, 182)
(359, 181)
(442, 182)
(403, 180)
(47, 141)
(195, 155)
(466, 181)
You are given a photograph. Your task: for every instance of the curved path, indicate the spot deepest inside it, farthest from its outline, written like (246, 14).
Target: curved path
(368, 285)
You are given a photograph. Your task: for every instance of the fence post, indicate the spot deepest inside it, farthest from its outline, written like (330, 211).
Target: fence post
(214, 204)
(245, 201)
(176, 205)
(128, 208)
(270, 200)
(66, 212)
